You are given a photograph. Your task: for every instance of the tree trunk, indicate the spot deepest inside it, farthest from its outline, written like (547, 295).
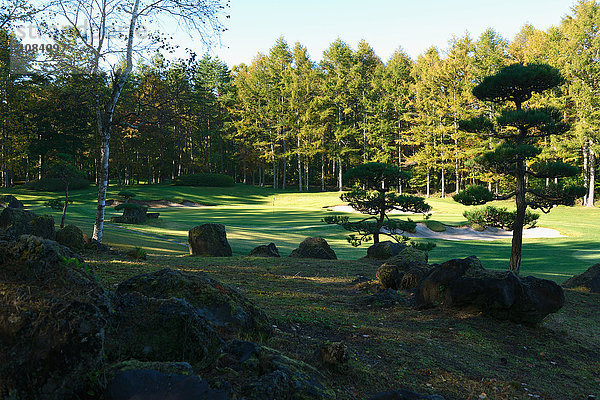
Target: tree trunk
(322, 172)
(104, 123)
(428, 183)
(443, 184)
(299, 167)
(586, 172)
(340, 186)
(592, 180)
(64, 210)
(517, 240)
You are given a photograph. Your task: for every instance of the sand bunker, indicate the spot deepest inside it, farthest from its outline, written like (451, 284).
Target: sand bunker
(466, 232)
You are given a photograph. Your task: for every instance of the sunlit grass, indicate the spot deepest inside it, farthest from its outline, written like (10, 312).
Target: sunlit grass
(255, 216)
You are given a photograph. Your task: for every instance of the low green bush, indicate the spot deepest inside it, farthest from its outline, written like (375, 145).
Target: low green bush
(57, 185)
(435, 226)
(498, 217)
(204, 179)
(129, 206)
(473, 195)
(137, 253)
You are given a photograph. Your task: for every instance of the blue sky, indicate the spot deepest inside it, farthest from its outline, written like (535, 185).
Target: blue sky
(386, 25)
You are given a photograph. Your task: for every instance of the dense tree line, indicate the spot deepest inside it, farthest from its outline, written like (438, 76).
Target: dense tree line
(285, 120)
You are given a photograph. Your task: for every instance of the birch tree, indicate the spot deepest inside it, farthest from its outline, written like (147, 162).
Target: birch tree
(114, 33)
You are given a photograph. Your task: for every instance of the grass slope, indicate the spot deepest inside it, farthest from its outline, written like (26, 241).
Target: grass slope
(458, 355)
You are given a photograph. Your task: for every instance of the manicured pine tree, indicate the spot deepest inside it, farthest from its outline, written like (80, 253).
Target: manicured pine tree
(373, 195)
(520, 129)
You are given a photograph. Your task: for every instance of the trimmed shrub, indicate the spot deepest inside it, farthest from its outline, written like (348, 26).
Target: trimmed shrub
(137, 253)
(473, 195)
(435, 226)
(57, 185)
(498, 217)
(129, 206)
(204, 179)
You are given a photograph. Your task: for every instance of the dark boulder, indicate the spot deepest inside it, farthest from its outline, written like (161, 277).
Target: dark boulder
(52, 320)
(464, 283)
(269, 250)
(388, 298)
(71, 236)
(404, 395)
(404, 277)
(8, 200)
(266, 374)
(152, 215)
(132, 214)
(229, 311)
(15, 222)
(209, 240)
(148, 384)
(385, 250)
(314, 247)
(150, 329)
(589, 280)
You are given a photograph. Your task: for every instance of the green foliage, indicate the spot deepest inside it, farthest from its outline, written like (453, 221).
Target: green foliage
(473, 195)
(373, 175)
(57, 185)
(435, 226)
(517, 83)
(204, 179)
(56, 204)
(498, 217)
(137, 253)
(126, 194)
(129, 206)
(75, 263)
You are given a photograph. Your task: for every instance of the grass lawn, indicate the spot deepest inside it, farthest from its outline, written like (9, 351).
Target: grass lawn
(459, 355)
(256, 216)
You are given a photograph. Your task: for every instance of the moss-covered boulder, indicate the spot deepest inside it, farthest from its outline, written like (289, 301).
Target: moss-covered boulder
(150, 329)
(8, 200)
(266, 374)
(71, 236)
(228, 311)
(15, 222)
(209, 240)
(409, 257)
(314, 247)
(588, 280)
(52, 321)
(388, 276)
(464, 283)
(385, 250)
(269, 250)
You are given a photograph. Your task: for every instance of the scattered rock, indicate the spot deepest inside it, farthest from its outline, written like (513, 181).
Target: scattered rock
(148, 384)
(70, 236)
(388, 276)
(409, 257)
(314, 247)
(52, 318)
(589, 280)
(15, 222)
(8, 200)
(333, 355)
(404, 395)
(227, 310)
(269, 250)
(152, 329)
(209, 240)
(132, 214)
(385, 250)
(464, 283)
(359, 279)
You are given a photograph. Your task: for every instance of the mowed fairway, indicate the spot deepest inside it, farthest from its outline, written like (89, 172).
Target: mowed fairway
(255, 216)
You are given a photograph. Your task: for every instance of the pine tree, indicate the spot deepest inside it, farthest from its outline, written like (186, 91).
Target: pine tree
(520, 128)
